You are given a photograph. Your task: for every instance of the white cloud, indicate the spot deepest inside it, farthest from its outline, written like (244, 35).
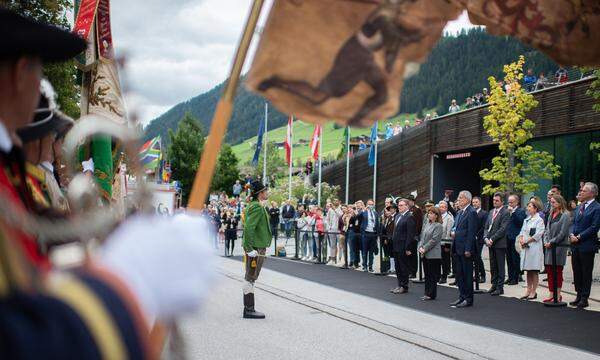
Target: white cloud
(178, 49)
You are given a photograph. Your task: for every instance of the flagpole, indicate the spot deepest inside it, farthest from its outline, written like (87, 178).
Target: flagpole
(320, 163)
(291, 158)
(347, 164)
(222, 114)
(375, 172)
(265, 144)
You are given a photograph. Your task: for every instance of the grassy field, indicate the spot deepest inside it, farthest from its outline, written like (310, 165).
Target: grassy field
(332, 139)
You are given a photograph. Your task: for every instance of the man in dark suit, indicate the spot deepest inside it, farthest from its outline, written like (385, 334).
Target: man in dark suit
(513, 259)
(402, 242)
(288, 214)
(369, 225)
(463, 248)
(584, 242)
(494, 236)
(482, 218)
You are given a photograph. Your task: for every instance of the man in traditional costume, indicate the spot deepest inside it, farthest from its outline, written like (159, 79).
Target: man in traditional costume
(257, 237)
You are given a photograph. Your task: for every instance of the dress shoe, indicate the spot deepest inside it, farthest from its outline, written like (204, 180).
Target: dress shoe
(403, 291)
(583, 304)
(491, 290)
(454, 303)
(497, 292)
(532, 297)
(451, 276)
(506, 282)
(575, 302)
(512, 283)
(425, 298)
(371, 270)
(442, 281)
(395, 290)
(463, 304)
(525, 297)
(452, 283)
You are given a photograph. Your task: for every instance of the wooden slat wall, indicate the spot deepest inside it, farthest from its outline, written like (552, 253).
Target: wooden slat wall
(404, 162)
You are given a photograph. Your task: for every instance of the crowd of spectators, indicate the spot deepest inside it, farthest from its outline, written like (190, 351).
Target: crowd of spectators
(518, 239)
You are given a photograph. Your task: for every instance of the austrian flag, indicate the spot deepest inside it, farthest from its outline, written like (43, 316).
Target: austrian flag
(288, 141)
(314, 142)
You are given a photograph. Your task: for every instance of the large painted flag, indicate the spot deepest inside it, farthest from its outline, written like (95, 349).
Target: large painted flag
(288, 141)
(150, 154)
(314, 142)
(259, 143)
(350, 65)
(372, 149)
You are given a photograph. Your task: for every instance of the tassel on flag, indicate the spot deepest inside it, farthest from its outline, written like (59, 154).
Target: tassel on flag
(314, 142)
(288, 141)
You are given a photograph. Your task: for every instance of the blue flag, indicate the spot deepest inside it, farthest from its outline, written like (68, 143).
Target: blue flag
(259, 141)
(372, 152)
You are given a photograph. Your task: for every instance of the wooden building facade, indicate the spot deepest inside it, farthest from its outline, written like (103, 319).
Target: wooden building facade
(448, 152)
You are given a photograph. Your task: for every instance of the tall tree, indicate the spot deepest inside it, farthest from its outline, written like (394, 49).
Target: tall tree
(227, 171)
(518, 165)
(63, 76)
(184, 152)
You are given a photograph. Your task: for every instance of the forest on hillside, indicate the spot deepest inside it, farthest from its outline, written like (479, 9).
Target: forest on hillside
(458, 67)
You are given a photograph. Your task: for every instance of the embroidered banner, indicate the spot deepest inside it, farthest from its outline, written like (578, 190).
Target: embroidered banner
(348, 66)
(105, 45)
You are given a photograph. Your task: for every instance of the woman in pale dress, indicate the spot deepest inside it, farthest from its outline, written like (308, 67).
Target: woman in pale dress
(531, 240)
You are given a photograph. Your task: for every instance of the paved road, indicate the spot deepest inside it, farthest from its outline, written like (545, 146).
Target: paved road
(311, 316)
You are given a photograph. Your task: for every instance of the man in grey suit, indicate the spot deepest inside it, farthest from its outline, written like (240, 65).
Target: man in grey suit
(403, 238)
(494, 236)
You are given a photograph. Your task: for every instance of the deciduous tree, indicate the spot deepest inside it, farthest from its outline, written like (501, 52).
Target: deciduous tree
(518, 166)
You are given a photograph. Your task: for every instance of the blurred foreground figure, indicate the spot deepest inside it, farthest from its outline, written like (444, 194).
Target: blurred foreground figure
(104, 309)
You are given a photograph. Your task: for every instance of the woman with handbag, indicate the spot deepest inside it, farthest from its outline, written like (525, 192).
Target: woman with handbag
(529, 242)
(556, 234)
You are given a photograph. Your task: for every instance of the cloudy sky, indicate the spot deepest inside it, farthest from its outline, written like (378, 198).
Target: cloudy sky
(178, 49)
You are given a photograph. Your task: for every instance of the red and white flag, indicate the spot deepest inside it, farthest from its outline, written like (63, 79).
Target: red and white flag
(314, 142)
(288, 141)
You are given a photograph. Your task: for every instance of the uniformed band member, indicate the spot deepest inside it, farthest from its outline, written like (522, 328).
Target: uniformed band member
(257, 237)
(102, 310)
(40, 143)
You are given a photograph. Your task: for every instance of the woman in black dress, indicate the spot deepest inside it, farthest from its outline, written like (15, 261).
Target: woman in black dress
(230, 223)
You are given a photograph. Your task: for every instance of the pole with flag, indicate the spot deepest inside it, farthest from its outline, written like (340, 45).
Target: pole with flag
(259, 142)
(320, 163)
(373, 158)
(289, 150)
(347, 135)
(315, 152)
(266, 145)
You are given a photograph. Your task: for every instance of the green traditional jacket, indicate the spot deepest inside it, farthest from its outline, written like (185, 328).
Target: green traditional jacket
(257, 232)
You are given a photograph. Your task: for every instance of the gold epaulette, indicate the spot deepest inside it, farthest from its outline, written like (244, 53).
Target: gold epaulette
(35, 172)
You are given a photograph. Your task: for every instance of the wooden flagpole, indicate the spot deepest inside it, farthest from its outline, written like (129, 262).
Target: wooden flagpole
(222, 114)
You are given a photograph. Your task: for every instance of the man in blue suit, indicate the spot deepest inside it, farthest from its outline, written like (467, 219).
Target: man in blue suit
(584, 242)
(513, 259)
(463, 248)
(369, 225)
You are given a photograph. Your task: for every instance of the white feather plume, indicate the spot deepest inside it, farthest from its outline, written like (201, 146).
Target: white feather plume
(48, 91)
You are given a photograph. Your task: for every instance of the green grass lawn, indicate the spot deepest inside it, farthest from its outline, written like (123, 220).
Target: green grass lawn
(332, 139)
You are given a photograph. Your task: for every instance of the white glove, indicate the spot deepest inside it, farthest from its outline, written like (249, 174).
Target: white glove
(166, 262)
(252, 253)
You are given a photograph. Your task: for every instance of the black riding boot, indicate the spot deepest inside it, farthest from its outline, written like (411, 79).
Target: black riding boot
(249, 312)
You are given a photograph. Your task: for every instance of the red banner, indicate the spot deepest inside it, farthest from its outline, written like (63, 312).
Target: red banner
(105, 45)
(85, 18)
